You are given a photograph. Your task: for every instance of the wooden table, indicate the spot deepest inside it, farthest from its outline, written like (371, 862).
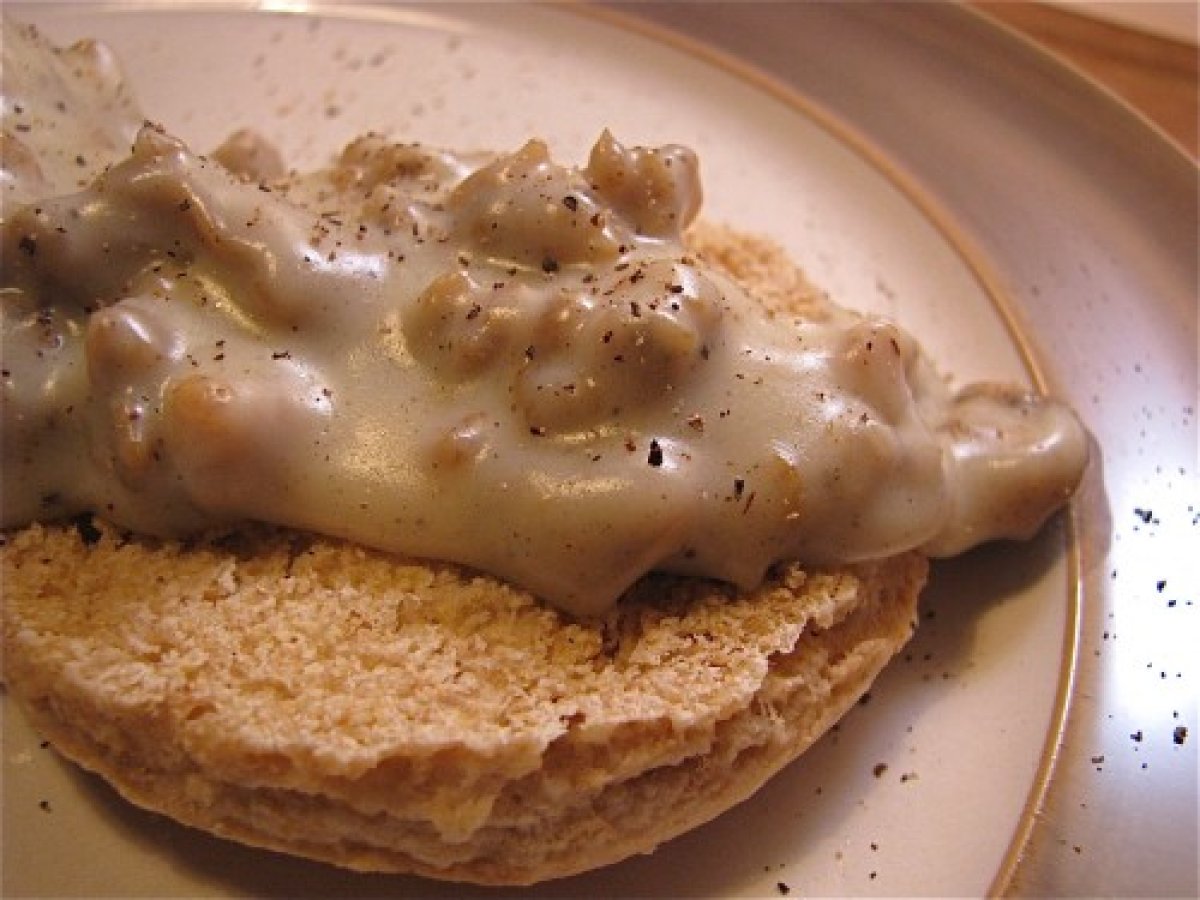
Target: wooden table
(1156, 75)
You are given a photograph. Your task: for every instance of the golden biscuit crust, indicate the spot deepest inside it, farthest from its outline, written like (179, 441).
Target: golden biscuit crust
(383, 714)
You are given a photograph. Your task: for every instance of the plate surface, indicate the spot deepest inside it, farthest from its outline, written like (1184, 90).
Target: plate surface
(928, 788)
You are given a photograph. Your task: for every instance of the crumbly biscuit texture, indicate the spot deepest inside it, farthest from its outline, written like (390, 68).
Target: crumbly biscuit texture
(323, 699)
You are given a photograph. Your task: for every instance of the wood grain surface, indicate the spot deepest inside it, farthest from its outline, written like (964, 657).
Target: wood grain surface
(1156, 75)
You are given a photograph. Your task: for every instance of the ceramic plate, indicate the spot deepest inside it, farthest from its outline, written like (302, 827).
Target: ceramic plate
(930, 787)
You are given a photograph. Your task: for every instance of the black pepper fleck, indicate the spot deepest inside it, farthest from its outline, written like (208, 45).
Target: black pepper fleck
(87, 530)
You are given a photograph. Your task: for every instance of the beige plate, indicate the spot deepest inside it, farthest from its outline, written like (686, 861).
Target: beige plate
(918, 161)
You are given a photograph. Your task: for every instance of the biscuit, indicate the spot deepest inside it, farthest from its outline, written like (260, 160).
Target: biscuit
(386, 714)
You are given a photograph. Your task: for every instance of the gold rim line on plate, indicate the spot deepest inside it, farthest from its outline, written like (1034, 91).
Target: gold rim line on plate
(976, 262)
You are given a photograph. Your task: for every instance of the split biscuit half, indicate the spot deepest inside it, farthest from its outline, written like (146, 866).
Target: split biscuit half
(386, 714)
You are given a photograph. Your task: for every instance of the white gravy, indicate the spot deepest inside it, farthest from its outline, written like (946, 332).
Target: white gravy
(497, 361)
